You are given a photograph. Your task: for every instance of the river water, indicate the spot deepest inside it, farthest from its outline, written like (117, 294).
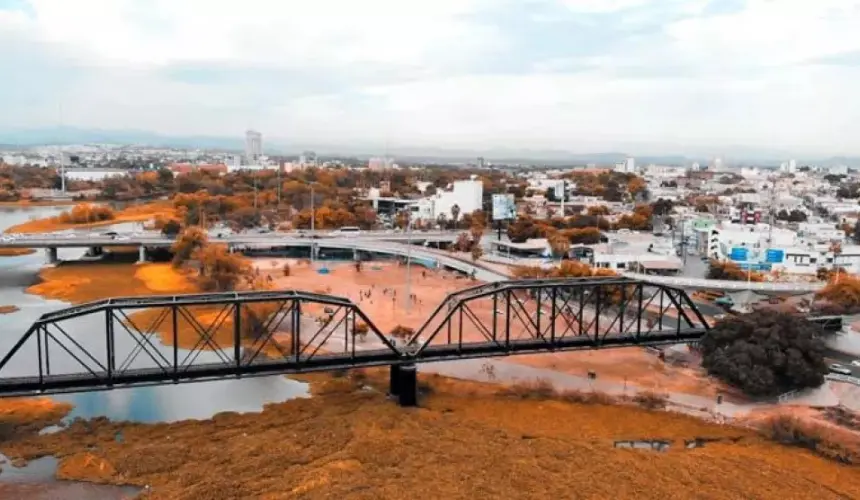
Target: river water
(146, 404)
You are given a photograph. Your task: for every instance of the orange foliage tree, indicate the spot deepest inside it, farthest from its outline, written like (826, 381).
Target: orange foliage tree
(731, 271)
(843, 294)
(220, 270)
(85, 213)
(188, 242)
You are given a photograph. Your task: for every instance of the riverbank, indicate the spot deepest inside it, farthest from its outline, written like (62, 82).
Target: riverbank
(16, 252)
(27, 203)
(29, 415)
(467, 440)
(134, 213)
(77, 283)
(9, 309)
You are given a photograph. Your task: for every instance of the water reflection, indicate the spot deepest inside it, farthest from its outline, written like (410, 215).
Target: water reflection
(143, 404)
(36, 481)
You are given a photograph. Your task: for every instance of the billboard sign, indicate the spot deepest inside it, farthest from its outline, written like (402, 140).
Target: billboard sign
(504, 207)
(774, 256)
(739, 254)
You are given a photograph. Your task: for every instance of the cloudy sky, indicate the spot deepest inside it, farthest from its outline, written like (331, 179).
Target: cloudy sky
(580, 75)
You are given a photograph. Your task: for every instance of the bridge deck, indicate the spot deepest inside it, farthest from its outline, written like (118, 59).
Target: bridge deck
(60, 383)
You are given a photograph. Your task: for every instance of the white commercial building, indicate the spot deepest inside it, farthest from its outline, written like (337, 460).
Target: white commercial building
(467, 195)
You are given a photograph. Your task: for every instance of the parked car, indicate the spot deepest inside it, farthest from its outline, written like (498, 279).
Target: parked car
(837, 368)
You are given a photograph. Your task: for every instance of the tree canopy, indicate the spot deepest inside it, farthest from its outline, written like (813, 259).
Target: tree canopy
(765, 353)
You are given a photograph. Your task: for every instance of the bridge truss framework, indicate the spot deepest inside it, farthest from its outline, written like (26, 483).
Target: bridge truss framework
(150, 340)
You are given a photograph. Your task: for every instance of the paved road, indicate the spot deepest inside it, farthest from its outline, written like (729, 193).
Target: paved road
(709, 284)
(844, 359)
(154, 239)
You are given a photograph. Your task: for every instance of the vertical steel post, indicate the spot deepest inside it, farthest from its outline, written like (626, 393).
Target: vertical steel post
(639, 314)
(47, 351)
(553, 315)
(508, 319)
(460, 327)
(109, 344)
(175, 321)
(597, 305)
(581, 292)
(539, 301)
(495, 315)
(237, 336)
(39, 349)
(297, 329)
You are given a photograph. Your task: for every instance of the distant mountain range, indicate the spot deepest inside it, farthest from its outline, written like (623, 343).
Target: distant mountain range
(510, 156)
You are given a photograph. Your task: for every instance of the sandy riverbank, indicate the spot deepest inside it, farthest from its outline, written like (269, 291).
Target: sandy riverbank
(38, 203)
(135, 213)
(16, 252)
(466, 441)
(29, 415)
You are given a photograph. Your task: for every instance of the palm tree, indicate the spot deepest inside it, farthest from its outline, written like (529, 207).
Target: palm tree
(836, 248)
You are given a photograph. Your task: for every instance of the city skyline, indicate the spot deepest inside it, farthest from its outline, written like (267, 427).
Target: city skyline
(637, 76)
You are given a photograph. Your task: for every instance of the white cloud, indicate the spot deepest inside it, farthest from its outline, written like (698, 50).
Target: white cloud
(770, 33)
(435, 72)
(271, 32)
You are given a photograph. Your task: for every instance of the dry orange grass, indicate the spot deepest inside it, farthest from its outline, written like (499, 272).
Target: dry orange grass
(9, 309)
(465, 442)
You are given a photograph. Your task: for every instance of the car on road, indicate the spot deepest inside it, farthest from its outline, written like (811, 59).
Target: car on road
(724, 301)
(856, 363)
(840, 369)
(347, 230)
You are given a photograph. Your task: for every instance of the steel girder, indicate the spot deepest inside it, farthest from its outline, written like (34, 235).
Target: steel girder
(172, 339)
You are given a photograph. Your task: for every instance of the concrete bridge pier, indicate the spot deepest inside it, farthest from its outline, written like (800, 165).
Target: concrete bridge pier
(51, 254)
(403, 383)
(141, 254)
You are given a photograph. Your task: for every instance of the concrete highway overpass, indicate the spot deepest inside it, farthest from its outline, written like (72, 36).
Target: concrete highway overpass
(762, 287)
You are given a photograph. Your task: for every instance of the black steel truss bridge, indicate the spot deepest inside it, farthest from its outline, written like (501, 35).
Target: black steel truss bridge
(150, 340)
